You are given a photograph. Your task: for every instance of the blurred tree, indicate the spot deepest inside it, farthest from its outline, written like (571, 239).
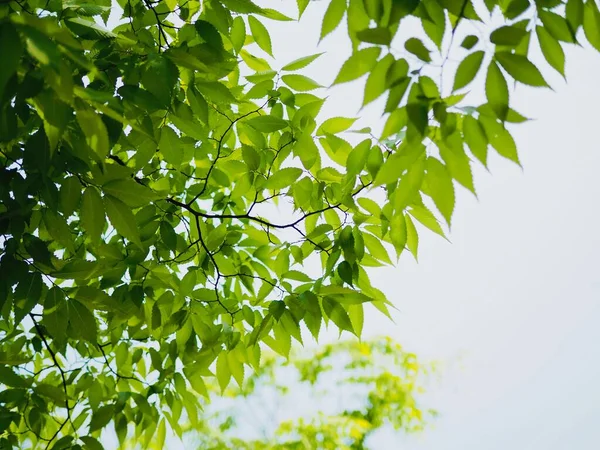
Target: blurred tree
(333, 397)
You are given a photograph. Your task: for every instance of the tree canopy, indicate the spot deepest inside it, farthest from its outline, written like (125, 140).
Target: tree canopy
(172, 202)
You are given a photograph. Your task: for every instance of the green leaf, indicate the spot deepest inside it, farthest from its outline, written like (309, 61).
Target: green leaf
(302, 4)
(237, 33)
(91, 443)
(475, 138)
(37, 249)
(59, 229)
(122, 219)
(508, 35)
(283, 178)
(398, 162)
(359, 63)
(376, 248)
(223, 372)
(458, 164)
(552, 50)
(55, 313)
(9, 378)
(467, 69)
(92, 213)
(87, 29)
(101, 417)
(11, 50)
(95, 131)
(412, 237)
(357, 158)
(557, 26)
(307, 150)
(335, 125)
(300, 82)
(379, 36)
(500, 139)
(41, 47)
(496, 91)
(300, 63)
(160, 77)
(242, 6)
(440, 187)
(426, 217)
(333, 17)
(251, 157)
(170, 147)
(376, 82)
(77, 270)
(591, 23)
(82, 321)
(260, 34)
(409, 185)
(345, 272)
(274, 15)
(27, 295)
(398, 232)
(417, 48)
(267, 124)
(70, 195)
(337, 314)
(574, 12)
(129, 192)
(469, 42)
(356, 315)
(521, 69)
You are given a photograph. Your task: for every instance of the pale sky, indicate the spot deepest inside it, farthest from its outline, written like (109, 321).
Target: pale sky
(515, 297)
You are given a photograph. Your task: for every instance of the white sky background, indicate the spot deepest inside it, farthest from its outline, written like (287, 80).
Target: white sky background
(514, 298)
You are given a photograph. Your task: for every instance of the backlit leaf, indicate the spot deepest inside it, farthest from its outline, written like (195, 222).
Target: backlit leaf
(283, 178)
(260, 34)
(521, 69)
(300, 63)
(122, 219)
(359, 63)
(440, 187)
(333, 16)
(267, 124)
(467, 69)
(300, 82)
(496, 90)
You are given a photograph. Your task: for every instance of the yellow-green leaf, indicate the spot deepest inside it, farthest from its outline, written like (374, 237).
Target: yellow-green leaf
(591, 23)
(359, 63)
(496, 90)
(552, 50)
(521, 69)
(94, 130)
(122, 219)
(376, 82)
(300, 82)
(260, 34)
(129, 192)
(467, 69)
(440, 187)
(283, 178)
(417, 48)
(92, 213)
(300, 63)
(333, 17)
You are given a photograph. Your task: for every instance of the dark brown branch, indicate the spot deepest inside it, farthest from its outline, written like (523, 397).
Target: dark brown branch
(62, 375)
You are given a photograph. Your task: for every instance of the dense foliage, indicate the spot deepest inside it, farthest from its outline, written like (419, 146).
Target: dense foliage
(141, 163)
